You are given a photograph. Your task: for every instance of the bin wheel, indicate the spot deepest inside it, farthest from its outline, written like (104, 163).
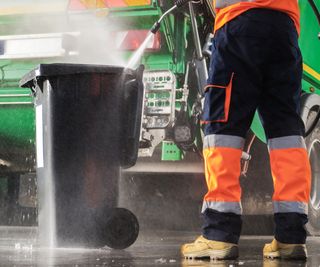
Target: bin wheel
(121, 229)
(313, 147)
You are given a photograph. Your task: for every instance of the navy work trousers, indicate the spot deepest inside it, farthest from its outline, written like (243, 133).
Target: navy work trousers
(257, 57)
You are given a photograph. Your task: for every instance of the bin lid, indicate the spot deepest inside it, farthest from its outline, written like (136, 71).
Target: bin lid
(59, 69)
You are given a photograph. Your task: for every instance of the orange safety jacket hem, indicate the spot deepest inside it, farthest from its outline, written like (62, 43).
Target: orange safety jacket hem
(226, 14)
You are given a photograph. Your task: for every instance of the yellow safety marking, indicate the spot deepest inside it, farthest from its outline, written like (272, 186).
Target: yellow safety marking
(311, 71)
(93, 3)
(137, 2)
(96, 4)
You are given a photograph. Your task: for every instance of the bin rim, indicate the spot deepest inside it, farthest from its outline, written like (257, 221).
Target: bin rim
(43, 71)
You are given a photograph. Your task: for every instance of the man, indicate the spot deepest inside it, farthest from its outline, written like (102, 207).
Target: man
(255, 65)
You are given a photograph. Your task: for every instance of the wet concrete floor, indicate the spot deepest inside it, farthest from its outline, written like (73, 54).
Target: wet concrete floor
(18, 247)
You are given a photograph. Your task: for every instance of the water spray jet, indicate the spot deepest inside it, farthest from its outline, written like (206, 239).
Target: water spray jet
(154, 29)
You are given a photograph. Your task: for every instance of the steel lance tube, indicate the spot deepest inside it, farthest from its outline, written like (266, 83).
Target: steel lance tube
(177, 4)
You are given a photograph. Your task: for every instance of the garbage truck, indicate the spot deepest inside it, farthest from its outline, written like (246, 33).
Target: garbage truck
(176, 66)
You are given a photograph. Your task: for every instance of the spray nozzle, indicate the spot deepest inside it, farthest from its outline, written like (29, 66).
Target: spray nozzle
(155, 27)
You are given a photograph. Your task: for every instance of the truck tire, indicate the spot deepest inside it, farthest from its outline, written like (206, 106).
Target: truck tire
(309, 112)
(313, 148)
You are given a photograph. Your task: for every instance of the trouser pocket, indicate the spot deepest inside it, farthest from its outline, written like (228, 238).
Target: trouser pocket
(217, 102)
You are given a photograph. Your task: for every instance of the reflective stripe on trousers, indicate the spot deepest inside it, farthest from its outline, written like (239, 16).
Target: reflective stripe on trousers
(222, 154)
(291, 180)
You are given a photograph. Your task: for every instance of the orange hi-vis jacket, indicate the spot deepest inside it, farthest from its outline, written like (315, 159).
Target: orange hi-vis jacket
(225, 14)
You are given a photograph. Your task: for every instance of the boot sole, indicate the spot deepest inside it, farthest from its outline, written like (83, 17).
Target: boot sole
(297, 253)
(225, 254)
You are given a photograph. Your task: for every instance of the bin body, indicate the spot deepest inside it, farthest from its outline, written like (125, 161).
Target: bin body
(80, 135)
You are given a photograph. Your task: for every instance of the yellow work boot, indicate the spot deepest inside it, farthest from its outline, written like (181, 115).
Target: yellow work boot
(215, 250)
(277, 250)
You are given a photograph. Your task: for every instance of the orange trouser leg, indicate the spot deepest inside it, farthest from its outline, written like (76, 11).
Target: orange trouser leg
(291, 174)
(221, 205)
(222, 154)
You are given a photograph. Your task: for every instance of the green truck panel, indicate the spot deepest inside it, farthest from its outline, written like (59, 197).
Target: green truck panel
(17, 124)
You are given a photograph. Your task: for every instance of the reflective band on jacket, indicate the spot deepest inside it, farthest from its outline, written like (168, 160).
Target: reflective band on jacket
(219, 140)
(288, 206)
(234, 207)
(294, 141)
(225, 3)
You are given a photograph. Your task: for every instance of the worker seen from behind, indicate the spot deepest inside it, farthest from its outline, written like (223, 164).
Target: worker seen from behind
(256, 64)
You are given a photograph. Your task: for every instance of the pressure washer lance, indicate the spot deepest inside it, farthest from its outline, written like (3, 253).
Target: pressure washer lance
(177, 3)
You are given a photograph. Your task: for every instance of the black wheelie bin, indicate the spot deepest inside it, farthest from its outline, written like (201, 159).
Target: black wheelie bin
(87, 127)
